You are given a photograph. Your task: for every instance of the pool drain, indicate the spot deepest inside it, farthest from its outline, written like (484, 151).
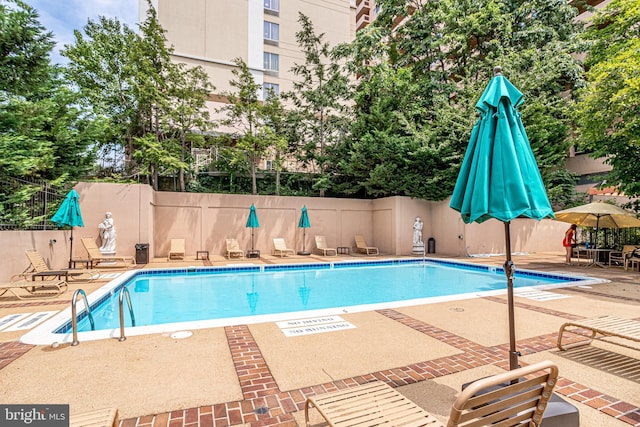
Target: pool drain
(181, 334)
(260, 410)
(458, 309)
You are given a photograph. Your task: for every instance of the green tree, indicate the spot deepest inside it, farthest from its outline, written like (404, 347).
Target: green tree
(152, 103)
(103, 65)
(608, 119)
(25, 46)
(45, 134)
(278, 129)
(319, 98)
(188, 114)
(252, 138)
(445, 52)
(393, 151)
(172, 100)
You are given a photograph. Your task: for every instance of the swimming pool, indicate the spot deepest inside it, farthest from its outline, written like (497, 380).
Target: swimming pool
(170, 300)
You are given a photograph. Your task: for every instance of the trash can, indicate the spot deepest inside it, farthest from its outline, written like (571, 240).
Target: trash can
(142, 253)
(431, 245)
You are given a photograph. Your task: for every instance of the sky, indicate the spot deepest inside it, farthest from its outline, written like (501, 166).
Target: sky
(63, 16)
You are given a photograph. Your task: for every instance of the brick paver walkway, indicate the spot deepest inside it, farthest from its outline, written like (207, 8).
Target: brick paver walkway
(265, 404)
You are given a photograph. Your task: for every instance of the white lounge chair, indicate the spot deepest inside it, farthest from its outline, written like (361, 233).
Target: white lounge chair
(321, 246)
(96, 257)
(233, 248)
(361, 246)
(280, 248)
(177, 249)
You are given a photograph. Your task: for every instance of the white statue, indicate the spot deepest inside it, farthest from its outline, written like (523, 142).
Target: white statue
(107, 234)
(417, 232)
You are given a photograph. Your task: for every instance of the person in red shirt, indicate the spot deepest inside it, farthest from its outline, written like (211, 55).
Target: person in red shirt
(568, 241)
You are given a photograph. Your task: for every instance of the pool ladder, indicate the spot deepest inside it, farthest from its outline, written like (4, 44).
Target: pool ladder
(74, 318)
(124, 291)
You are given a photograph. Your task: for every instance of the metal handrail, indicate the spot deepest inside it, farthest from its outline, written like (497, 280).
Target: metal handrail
(74, 320)
(124, 291)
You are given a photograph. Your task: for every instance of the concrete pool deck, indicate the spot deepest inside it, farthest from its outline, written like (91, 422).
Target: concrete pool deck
(254, 374)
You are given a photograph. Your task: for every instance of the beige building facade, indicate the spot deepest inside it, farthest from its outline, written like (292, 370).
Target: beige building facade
(212, 33)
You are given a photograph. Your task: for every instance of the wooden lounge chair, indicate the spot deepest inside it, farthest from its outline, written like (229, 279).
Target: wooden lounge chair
(177, 249)
(99, 418)
(233, 248)
(361, 246)
(35, 289)
(96, 257)
(622, 257)
(489, 401)
(602, 328)
(38, 268)
(280, 248)
(321, 247)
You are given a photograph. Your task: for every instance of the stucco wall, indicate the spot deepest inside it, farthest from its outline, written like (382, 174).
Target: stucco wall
(205, 220)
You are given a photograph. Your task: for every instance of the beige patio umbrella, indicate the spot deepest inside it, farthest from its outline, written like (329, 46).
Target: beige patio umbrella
(599, 215)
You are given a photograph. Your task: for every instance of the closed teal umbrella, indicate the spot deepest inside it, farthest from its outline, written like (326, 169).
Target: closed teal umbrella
(499, 177)
(304, 224)
(252, 222)
(69, 215)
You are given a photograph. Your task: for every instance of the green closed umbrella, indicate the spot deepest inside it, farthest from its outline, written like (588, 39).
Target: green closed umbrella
(304, 224)
(69, 215)
(252, 222)
(499, 177)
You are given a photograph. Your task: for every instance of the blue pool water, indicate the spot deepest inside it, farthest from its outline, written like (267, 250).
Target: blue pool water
(161, 297)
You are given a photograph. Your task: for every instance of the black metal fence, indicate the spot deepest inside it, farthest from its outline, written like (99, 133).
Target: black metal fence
(28, 204)
(609, 237)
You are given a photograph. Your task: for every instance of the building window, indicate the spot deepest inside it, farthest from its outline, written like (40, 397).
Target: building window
(271, 62)
(269, 89)
(268, 165)
(271, 31)
(272, 6)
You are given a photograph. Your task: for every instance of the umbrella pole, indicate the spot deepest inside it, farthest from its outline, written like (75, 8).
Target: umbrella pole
(71, 247)
(509, 270)
(595, 242)
(304, 243)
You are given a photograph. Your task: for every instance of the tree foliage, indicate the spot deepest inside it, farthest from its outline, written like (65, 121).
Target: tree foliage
(438, 61)
(608, 118)
(45, 135)
(253, 138)
(319, 99)
(24, 48)
(394, 150)
(151, 103)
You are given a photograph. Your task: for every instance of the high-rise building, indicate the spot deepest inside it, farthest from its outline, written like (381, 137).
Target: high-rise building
(212, 33)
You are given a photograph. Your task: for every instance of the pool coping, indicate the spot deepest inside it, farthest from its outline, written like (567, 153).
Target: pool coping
(45, 334)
